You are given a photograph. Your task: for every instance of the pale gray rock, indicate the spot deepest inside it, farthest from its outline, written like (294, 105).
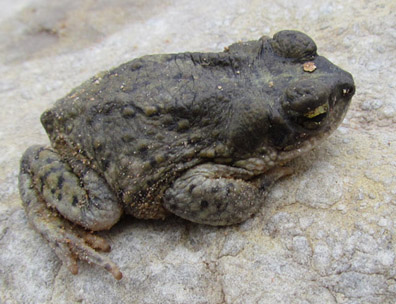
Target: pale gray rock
(310, 190)
(326, 234)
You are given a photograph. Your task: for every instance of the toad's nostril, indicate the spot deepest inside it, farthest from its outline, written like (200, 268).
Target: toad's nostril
(347, 90)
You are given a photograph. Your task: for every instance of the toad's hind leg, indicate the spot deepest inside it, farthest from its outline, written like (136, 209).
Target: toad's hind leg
(219, 195)
(47, 183)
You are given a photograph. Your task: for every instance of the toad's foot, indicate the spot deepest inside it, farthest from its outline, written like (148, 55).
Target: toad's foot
(70, 243)
(220, 195)
(46, 184)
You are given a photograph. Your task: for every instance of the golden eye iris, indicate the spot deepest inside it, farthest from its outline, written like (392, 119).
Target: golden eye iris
(322, 109)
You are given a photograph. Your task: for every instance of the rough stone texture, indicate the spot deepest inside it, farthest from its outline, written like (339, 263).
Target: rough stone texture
(326, 235)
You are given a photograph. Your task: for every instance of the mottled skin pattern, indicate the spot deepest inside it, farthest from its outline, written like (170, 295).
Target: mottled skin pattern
(200, 135)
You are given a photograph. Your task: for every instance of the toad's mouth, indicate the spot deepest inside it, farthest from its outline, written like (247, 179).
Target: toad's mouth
(274, 157)
(324, 118)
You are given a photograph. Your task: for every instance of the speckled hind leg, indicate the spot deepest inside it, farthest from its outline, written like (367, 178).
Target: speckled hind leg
(218, 194)
(47, 183)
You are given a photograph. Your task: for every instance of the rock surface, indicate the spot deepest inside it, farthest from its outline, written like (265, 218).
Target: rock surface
(326, 235)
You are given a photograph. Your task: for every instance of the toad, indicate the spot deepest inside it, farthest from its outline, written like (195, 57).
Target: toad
(199, 135)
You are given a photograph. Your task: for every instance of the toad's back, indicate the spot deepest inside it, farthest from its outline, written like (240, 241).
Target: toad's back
(144, 122)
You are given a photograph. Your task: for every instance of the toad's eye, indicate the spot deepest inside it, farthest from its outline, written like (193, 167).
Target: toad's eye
(317, 113)
(313, 119)
(306, 104)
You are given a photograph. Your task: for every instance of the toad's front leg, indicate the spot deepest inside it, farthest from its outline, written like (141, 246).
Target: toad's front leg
(48, 185)
(219, 195)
